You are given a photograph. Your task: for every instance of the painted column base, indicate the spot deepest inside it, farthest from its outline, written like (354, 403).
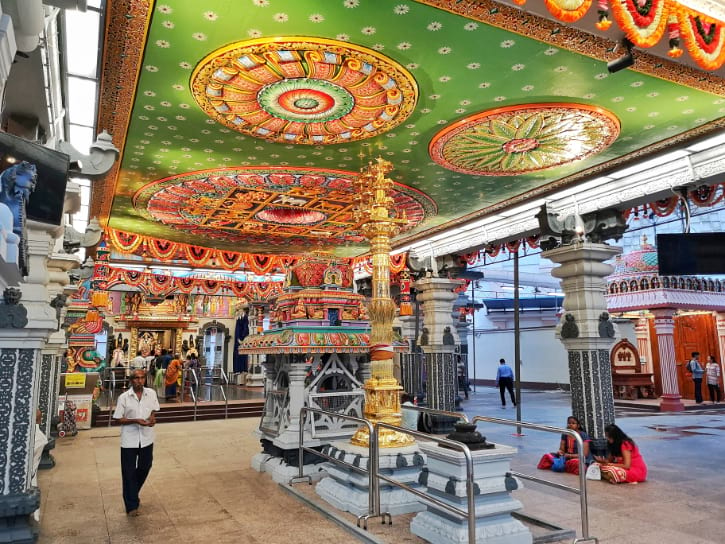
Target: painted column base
(17, 525)
(348, 491)
(446, 481)
(671, 403)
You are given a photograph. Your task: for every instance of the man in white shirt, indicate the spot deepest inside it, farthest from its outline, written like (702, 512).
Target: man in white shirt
(138, 362)
(135, 412)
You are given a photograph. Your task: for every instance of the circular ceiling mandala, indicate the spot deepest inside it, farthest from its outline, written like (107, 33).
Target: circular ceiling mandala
(525, 138)
(304, 90)
(275, 206)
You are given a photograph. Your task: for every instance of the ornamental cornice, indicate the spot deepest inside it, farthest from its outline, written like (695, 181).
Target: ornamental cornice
(620, 193)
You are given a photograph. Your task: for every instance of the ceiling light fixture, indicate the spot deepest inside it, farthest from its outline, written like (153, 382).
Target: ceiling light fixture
(625, 61)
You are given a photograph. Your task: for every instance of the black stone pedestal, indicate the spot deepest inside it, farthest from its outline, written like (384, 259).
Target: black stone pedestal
(16, 523)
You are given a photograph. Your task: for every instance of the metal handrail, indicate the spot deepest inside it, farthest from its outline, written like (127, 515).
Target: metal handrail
(433, 411)
(112, 391)
(224, 394)
(374, 489)
(582, 491)
(191, 389)
(470, 513)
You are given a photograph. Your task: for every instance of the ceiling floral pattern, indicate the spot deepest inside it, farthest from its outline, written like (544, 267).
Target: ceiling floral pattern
(304, 90)
(526, 138)
(275, 207)
(451, 60)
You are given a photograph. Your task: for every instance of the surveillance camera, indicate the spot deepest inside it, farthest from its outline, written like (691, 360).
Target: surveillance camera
(620, 64)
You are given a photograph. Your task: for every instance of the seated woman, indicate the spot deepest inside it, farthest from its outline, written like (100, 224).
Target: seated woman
(568, 449)
(623, 462)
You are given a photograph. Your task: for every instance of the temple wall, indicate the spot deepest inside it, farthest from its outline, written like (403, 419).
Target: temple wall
(543, 357)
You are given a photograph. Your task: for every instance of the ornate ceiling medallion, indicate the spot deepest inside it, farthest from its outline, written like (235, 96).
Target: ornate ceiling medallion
(526, 138)
(304, 90)
(274, 206)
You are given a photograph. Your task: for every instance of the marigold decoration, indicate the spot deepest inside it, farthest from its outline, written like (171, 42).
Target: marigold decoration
(568, 10)
(673, 33)
(643, 21)
(703, 37)
(519, 2)
(603, 11)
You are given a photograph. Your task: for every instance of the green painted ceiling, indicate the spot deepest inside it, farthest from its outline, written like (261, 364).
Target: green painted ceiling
(461, 67)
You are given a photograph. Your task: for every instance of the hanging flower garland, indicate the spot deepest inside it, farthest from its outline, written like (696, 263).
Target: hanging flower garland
(125, 242)
(673, 33)
(397, 263)
(603, 22)
(160, 284)
(664, 207)
(161, 249)
(568, 10)
(703, 37)
(643, 21)
(230, 260)
(707, 195)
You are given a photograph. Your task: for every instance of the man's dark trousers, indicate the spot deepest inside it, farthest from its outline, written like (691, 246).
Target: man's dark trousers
(698, 389)
(135, 466)
(503, 385)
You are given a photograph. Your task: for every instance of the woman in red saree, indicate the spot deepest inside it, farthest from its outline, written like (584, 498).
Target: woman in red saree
(173, 372)
(623, 463)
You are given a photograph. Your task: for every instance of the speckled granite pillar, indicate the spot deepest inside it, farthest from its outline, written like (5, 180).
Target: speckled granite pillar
(587, 332)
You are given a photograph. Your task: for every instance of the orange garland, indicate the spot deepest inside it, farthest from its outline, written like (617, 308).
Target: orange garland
(643, 30)
(708, 55)
(568, 10)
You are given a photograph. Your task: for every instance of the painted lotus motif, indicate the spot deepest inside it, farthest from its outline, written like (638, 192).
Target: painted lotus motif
(520, 139)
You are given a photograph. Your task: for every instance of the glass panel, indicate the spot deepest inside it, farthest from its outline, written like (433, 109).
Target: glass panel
(81, 42)
(81, 138)
(81, 101)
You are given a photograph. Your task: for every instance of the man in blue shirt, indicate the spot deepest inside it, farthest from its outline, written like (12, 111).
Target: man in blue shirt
(505, 380)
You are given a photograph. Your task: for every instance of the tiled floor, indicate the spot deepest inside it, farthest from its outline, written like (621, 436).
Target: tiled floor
(202, 488)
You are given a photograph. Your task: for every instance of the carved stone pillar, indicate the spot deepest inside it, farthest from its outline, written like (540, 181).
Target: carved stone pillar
(670, 401)
(58, 266)
(21, 343)
(644, 344)
(438, 340)
(587, 332)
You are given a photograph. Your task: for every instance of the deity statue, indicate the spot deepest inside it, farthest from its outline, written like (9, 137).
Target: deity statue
(70, 360)
(146, 343)
(181, 303)
(299, 312)
(133, 301)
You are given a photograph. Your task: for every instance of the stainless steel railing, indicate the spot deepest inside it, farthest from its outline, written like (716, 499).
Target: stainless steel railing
(374, 491)
(224, 381)
(581, 491)
(470, 513)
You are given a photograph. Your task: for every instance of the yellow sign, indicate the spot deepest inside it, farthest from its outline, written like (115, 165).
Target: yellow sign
(75, 380)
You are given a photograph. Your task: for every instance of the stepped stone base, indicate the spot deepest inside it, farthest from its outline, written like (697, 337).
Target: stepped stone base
(348, 491)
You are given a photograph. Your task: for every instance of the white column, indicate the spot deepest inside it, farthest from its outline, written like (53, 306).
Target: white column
(644, 344)
(670, 401)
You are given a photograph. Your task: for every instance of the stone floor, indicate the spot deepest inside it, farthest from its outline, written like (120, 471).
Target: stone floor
(201, 487)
